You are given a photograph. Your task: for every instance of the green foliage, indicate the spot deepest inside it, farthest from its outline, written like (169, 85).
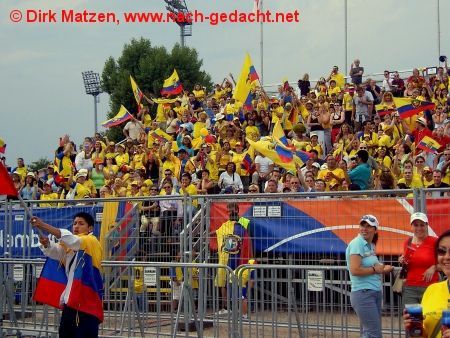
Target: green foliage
(39, 164)
(149, 66)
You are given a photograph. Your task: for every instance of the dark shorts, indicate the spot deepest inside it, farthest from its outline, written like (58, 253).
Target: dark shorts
(76, 324)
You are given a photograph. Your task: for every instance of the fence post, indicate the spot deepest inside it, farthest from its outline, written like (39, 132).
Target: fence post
(417, 205)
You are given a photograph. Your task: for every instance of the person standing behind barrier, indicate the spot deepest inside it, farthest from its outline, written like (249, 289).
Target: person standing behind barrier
(81, 254)
(437, 296)
(234, 249)
(419, 259)
(365, 277)
(171, 214)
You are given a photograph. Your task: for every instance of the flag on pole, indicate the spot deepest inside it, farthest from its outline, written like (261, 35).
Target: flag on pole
(172, 85)
(138, 94)
(6, 184)
(122, 116)
(248, 80)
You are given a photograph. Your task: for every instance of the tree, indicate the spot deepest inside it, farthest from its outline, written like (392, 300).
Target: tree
(149, 66)
(39, 164)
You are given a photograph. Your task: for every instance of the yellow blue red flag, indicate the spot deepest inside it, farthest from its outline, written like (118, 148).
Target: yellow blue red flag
(122, 116)
(248, 80)
(172, 85)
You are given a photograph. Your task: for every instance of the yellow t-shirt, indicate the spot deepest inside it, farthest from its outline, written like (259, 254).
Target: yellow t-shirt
(435, 299)
(336, 90)
(339, 78)
(317, 147)
(199, 94)
(252, 133)
(347, 102)
(48, 197)
(123, 159)
(81, 191)
(138, 279)
(212, 167)
(197, 127)
(323, 174)
(191, 190)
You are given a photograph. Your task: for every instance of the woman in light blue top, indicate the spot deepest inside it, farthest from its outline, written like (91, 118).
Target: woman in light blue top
(365, 276)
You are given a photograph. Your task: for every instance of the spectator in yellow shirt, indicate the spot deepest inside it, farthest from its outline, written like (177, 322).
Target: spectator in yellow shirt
(336, 76)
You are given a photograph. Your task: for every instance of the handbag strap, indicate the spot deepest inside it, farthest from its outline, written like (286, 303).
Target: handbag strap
(436, 329)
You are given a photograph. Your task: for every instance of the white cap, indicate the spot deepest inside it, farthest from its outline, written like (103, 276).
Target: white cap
(420, 216)
(370, 219)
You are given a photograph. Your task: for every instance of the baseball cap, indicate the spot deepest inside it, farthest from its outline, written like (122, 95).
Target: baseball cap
(418, 216)
(370, 219)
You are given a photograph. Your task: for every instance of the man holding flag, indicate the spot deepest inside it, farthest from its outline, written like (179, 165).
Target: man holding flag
(71, 278)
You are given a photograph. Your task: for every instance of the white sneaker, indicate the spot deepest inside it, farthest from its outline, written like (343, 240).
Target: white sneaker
(244, 316)
(222, 312)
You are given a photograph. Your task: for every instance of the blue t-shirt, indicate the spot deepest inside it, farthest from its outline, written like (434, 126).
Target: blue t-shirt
(361, 175)
(359, 246)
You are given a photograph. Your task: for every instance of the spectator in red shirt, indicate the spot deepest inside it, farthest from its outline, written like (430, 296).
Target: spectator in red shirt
(419, 259)
(421, 130)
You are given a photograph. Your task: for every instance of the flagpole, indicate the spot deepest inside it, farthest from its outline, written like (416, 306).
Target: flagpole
(261, 44)
(346, 35)
(438, 28)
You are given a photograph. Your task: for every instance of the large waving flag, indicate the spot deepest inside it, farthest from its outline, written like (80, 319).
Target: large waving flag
(408, 107)
(122, 116)
(6, 184)
(429, 145)
(279, 135)
(248, 79)
(276, 153)
(2, 146)
(172, 85)
(138, 94)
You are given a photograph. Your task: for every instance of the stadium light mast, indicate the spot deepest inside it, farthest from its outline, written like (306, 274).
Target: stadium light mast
(182, 18)
(93, 87)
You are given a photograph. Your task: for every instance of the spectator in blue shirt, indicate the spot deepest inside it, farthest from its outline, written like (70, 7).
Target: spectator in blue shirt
(365, 276)
(360, 176)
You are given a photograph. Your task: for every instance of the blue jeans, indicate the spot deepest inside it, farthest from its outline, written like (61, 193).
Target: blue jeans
(367, 305)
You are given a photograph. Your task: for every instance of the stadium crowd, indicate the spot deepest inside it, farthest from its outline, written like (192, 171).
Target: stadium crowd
(197, 142)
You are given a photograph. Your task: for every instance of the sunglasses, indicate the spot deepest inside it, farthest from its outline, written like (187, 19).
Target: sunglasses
(363, 148)
(441, 251)
(252, 190)
(368, 218)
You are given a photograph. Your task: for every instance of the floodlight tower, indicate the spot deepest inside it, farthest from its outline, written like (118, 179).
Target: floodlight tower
(93, 87)
(182, 17)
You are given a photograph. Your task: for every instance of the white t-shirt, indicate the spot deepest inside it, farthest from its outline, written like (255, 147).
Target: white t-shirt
(134, 129)
(264, 163)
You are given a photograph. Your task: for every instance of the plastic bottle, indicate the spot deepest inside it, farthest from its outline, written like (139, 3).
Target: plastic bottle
(415, 312)
(445, 322)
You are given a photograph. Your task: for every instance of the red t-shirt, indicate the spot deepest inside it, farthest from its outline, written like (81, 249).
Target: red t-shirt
(420, 258)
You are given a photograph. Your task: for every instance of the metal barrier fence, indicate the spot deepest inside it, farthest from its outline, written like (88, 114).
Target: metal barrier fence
(280, 301)
(298, 288)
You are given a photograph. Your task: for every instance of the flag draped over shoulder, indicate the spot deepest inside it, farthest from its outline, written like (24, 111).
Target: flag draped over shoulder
(172, 85)
(122, 116)
(248, 79)
(408, 107)
(6, 184)
(429, 145)
(86, 290)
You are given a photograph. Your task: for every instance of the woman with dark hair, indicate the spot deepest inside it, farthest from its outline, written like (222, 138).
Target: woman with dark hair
(437, 295)
(229, 178)
(419, 260)
(29, 191)
(365, 276)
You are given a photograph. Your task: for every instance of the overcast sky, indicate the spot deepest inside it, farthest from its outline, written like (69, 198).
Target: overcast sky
(42, 92)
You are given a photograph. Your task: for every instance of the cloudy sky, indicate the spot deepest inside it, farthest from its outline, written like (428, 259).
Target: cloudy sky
(42, 93)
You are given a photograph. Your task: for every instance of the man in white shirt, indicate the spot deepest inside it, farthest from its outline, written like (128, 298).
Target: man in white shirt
(133, 129)
(264, 167)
